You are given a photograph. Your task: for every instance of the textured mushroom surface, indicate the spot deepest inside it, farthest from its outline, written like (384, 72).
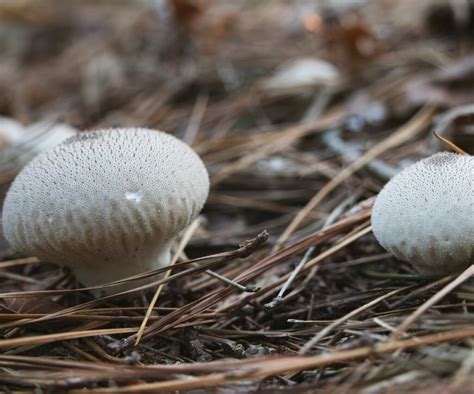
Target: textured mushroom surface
(425, 214)
(106, 203)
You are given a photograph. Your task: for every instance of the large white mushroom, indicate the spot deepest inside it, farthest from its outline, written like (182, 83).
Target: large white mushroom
(106, 203)
(425, 214)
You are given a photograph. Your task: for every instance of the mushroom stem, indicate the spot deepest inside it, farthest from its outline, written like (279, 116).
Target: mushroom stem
(99, 272)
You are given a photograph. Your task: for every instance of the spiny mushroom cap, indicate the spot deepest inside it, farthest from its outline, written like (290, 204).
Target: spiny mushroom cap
(425, 214)
(106, 198)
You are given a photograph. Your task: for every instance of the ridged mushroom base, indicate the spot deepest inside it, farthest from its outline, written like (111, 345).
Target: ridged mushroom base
(99, 272)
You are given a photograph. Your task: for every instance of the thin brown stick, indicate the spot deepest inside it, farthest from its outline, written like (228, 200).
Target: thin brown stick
(449, 144)
(184, 241)
(62, 336)
(15, 263)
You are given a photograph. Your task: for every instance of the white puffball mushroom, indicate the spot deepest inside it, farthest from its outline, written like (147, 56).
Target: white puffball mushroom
(106, 203)
(19, 144)
(300, 76)
(11, 131)
(47, 136)
(425, 214)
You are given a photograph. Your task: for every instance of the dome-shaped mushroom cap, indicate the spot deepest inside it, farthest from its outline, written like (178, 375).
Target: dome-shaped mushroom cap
(105, 196)
(425, 214)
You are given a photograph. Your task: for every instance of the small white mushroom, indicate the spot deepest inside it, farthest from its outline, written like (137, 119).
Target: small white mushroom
(11, 132)
(43, 136)
(106, 203)
(19, 144)
(425, 214)
(300, 76)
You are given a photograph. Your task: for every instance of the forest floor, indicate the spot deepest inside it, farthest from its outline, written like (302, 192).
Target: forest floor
(301, 113)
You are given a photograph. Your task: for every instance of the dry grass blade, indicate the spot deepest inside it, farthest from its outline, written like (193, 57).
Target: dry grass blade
(449, 144)
(42, 339)
(195, 119)
(184, 241)
(448, 118)
(15, 263)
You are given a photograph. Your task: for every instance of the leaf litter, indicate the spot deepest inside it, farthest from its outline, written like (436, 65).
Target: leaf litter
(301, 112)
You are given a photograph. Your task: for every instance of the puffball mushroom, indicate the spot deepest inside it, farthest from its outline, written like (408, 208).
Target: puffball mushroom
(300, 76)
(106, 203)
(425, 214)
(19, 144)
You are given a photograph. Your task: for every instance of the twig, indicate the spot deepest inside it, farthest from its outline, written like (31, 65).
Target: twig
(196, 119)
(61, 336)
(294, 274)
(447, 118)
(230, 282)
(450, 144)
(319, 104)
(332, 139)
(15, 263)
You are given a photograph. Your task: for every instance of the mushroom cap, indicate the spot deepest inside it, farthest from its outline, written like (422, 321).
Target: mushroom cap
(425, 214)
(19, 144)
(109, 198)
(300, 75)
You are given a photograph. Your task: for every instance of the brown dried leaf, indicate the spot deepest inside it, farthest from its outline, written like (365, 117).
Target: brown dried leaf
(187, 11)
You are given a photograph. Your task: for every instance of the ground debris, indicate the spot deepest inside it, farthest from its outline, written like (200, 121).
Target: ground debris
(301, 112)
